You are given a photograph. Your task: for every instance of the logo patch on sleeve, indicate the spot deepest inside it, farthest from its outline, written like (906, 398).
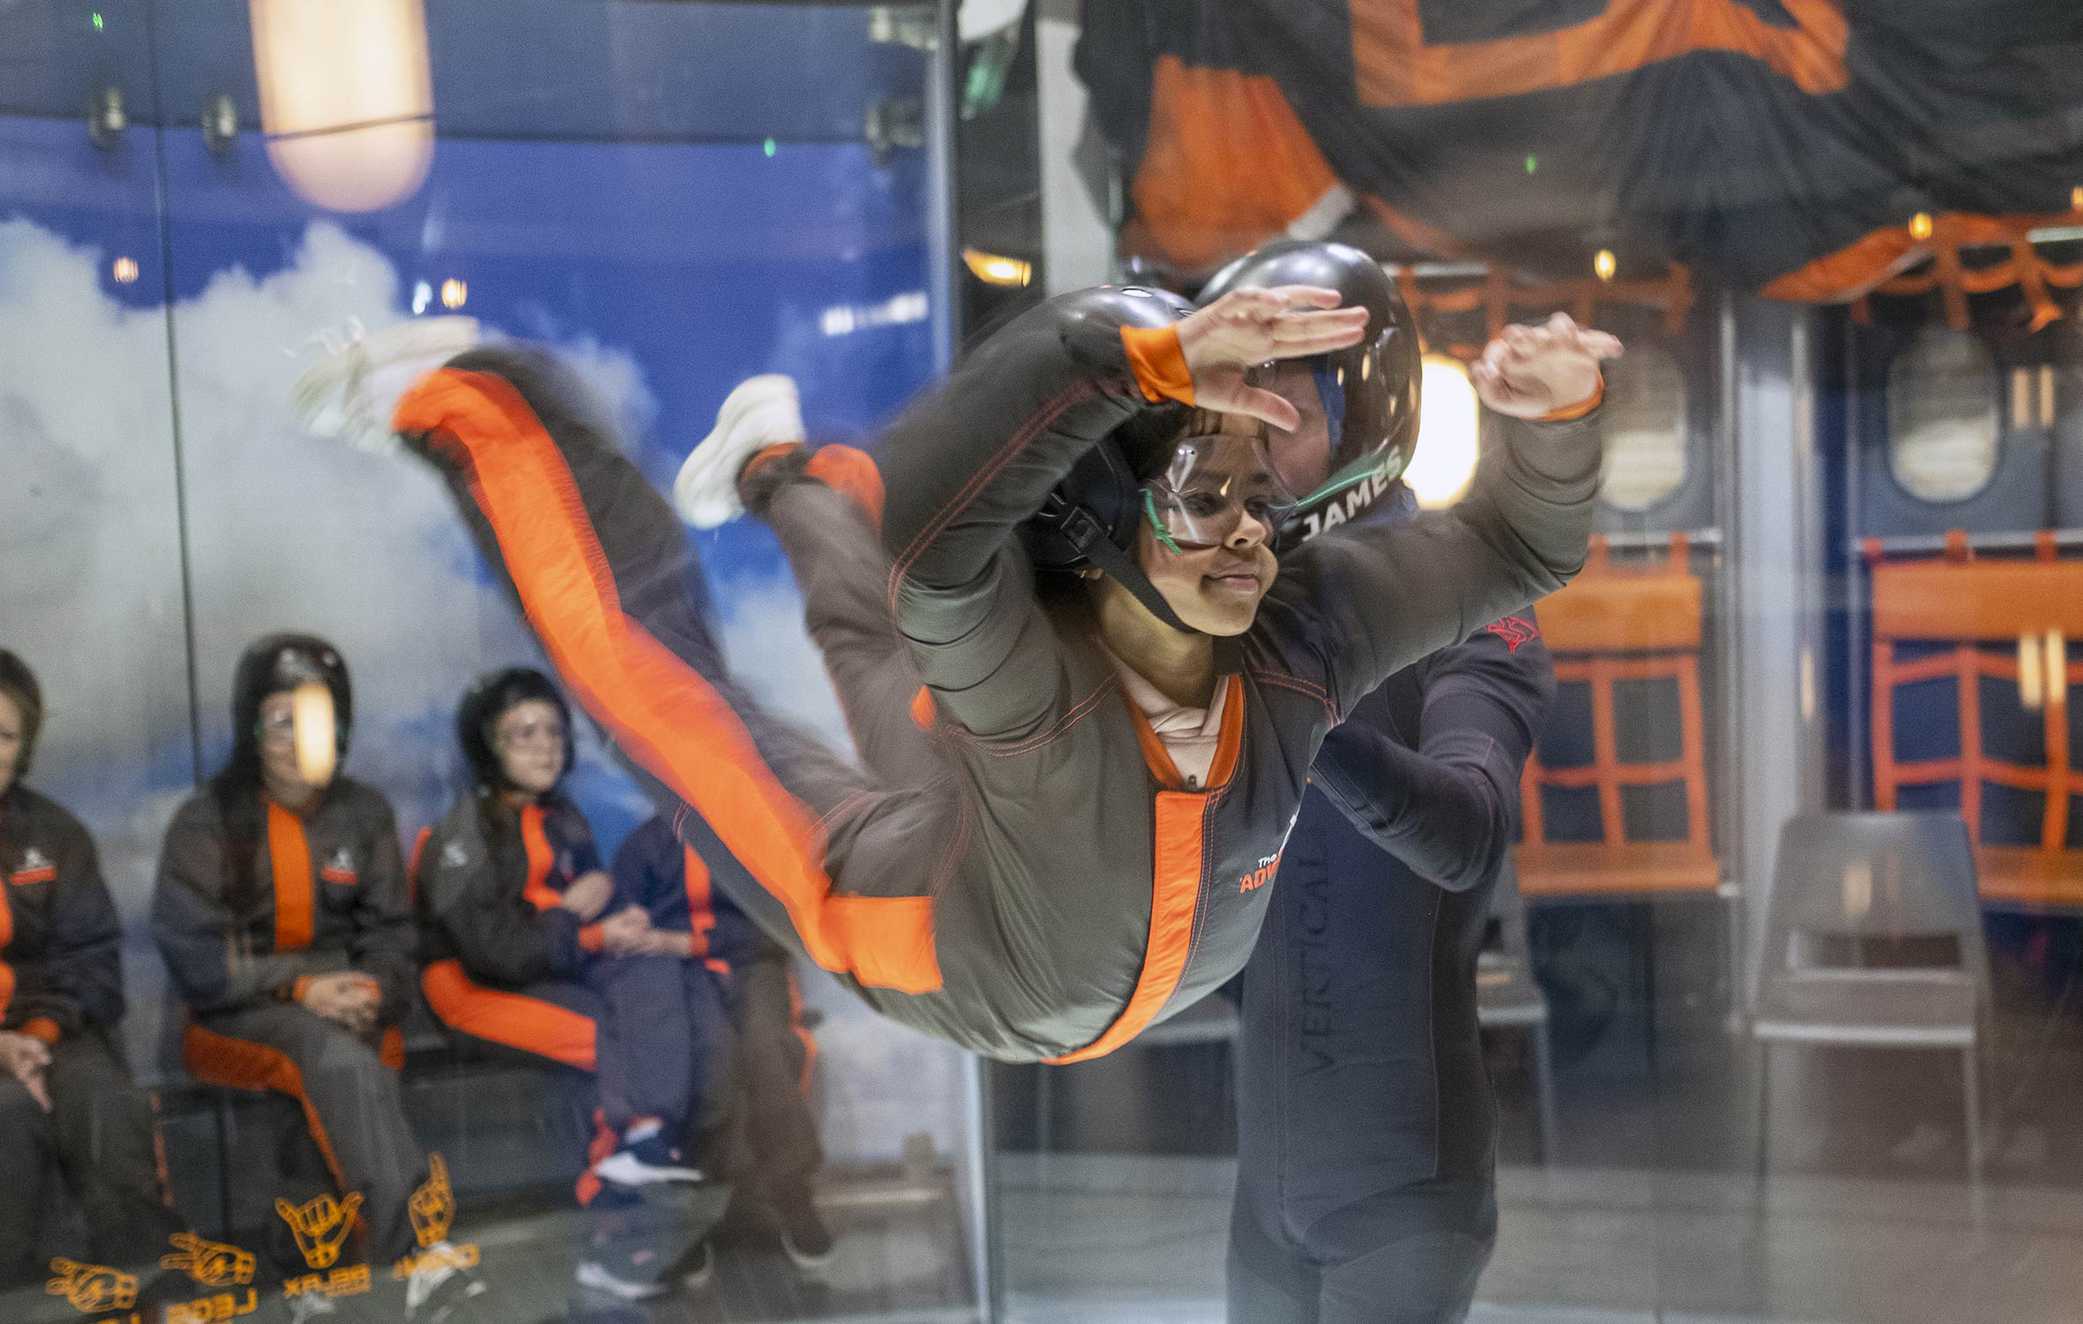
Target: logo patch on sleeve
(1514, 630)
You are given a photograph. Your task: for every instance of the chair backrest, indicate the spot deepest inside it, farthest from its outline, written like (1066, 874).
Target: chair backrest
(2006, 622)
(412, 864)
(1874, 875)
(1611, 626)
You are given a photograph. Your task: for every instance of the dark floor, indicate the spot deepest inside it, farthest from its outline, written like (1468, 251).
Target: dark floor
(900, 1257)
(1646, 1205)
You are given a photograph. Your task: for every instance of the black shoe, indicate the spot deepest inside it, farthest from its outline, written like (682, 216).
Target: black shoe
(804, 1237)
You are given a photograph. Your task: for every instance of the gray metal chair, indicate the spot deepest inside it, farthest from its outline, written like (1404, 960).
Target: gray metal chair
(1842, 880)
(1508, 998)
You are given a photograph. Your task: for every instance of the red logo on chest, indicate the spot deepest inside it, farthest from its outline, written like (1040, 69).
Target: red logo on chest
(1260, 876)
(1514, 630)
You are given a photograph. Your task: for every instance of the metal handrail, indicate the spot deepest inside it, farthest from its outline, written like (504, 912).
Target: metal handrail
(1935, 543)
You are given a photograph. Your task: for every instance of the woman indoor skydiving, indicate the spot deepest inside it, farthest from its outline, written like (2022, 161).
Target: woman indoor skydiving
(1117, 744)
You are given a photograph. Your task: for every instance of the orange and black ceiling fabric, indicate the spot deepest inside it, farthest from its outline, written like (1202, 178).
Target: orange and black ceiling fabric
(1759, 141)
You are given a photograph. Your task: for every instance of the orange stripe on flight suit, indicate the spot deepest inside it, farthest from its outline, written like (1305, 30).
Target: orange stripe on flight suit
(1159, 363)
(603, 1144)
(852, 473)
(922, 710)
(533, 1025)
(541, 856)
(289, 855)
(701, 908)
(242, 1064)
(667, 717)
(1179, 851)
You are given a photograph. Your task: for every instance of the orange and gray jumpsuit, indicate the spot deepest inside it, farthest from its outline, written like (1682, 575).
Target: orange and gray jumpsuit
(247, 911)
(61, 981)
(514, 968)
(1030, 879)
(759, 1053)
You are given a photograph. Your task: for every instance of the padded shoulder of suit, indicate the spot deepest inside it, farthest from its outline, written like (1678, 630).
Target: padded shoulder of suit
(48, 816)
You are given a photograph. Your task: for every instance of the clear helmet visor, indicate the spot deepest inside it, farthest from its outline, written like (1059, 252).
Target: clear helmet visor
(1212, 486)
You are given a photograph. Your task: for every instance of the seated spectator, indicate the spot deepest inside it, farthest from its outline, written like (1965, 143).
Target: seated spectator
(512, 896)
(761, 1070)
(281, 910)
(66, 1099)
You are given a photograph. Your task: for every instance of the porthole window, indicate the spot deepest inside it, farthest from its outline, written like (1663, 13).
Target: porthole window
(1944, 411)
(1646, 460)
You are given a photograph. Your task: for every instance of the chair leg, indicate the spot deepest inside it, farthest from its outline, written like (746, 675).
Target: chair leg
(1544, 1087)
(223, 1111)
(1764, 1110)
(1645, 947)
(1971, 1079)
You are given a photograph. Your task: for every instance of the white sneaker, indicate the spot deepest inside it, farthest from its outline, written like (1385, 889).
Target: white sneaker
(763, 411)
(595, 1276)
(310, 1306)
(349, 393)
(437, 1294)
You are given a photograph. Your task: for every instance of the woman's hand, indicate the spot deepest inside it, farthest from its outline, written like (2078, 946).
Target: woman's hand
(625, 932)
(348, 998)
(1532, 371)
(26, 1058)
(588, 895)
(1245, 328)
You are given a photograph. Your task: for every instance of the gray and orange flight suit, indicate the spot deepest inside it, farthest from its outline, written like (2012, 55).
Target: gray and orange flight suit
(1033, 880)
(514, 968)
(244, 917)
(760, 1054)
(61, 981)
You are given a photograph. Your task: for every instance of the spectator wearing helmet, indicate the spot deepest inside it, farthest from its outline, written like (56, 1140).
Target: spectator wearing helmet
(760, 1057)
(281, 910)
(66, 1098)
(533, 951)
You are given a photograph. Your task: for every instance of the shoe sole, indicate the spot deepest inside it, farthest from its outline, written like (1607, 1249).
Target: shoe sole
(594, 1278)
(806, 1262)
(619, 1170)
(699, 469)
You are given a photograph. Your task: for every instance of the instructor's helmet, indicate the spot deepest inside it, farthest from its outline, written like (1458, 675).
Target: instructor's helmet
(490, 698)
(1369, 392)
(276, 664)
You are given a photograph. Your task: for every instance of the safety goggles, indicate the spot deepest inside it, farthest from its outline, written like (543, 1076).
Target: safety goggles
(1210, 486)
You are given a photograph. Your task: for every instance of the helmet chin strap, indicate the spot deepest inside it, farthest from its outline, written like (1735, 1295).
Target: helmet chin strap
(1089, 538)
